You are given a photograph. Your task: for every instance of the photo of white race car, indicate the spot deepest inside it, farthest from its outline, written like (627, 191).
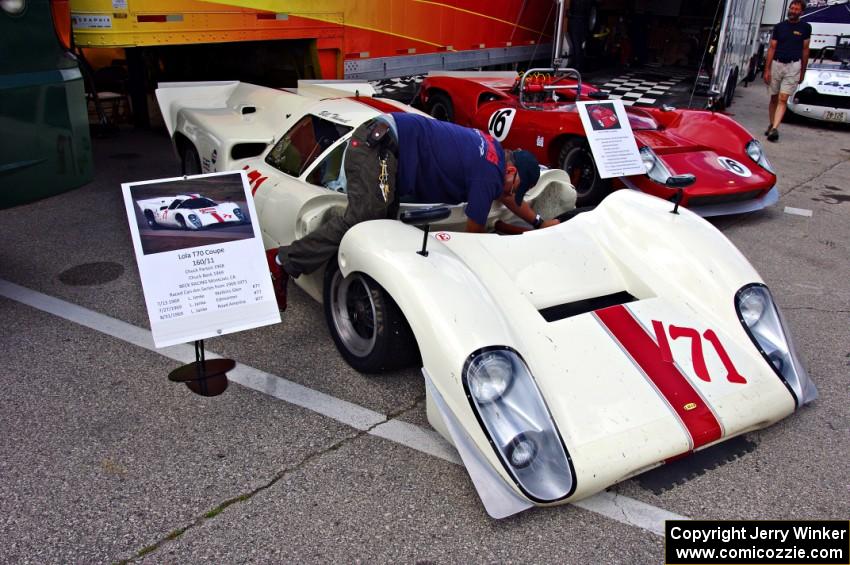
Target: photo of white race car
(189, 212)
(557, 362)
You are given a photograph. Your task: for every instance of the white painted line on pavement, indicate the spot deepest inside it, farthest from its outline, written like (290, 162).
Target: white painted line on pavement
(798, 211)
(619, 508)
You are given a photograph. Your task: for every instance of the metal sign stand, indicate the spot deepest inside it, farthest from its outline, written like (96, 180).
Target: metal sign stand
(204, 377)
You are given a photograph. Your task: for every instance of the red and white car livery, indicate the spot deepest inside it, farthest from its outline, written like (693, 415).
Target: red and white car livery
(189, 212)
(538, 113)
(558, 362)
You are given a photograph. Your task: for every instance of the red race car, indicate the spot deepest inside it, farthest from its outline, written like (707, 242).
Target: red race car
(708, 158)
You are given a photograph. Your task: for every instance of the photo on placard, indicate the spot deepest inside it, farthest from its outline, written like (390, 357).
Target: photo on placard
(603, 116)
(179, 214)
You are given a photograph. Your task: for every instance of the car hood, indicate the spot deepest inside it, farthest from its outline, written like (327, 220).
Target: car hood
(589, 308)
(827, 80)
(713, 168)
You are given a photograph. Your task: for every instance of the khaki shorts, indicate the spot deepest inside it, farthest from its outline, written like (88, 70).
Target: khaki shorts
(784, 77)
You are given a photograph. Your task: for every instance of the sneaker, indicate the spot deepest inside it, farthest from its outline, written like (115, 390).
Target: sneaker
(769, 127)
(773, 134)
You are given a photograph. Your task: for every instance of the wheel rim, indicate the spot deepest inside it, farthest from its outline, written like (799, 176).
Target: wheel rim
(353, 311)
(581, 171)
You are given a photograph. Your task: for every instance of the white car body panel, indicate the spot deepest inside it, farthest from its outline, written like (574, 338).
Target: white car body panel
(488, 290)
(828, 80)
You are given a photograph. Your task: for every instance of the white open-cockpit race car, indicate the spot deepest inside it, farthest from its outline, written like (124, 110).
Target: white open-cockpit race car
(558, 362)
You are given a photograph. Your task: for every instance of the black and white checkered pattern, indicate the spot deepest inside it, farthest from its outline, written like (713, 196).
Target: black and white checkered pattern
(636, 88)
(402, 88)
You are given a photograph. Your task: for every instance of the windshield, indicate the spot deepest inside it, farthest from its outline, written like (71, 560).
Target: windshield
(641, 120)
(303, 144)
(195, 203)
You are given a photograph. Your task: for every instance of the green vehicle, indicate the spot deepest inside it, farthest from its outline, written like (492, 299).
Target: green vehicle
(45, 147)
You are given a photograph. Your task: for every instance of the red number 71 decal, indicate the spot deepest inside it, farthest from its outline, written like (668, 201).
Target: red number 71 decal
(698, 359)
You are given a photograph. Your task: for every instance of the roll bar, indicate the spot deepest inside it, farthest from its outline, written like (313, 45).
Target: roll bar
(560, 72)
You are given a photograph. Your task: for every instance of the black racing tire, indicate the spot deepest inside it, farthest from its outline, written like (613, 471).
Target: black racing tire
(366, 324)
(181, 222)
(150, 220)
(577, 160)
(190, 161)
(440, 107)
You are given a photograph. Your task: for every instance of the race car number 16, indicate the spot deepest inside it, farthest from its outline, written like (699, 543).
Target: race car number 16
(500, 123)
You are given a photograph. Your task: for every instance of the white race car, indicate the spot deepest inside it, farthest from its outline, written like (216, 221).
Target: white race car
(558, 362)
(189, 212)
(824, 94)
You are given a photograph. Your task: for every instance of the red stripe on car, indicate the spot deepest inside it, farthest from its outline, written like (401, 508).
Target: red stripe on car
(684, 400)
(216, 216)
(379, 105)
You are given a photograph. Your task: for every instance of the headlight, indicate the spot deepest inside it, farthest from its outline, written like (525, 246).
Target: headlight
(13, 7)
(509, 406)
(766, 327)
(238, 213)
(489, 377)
(654, 166)
(195, 220)
(757, 154)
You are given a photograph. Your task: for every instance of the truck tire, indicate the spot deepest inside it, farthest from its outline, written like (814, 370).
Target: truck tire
(366, 324)
(190, 160)
(731, 86)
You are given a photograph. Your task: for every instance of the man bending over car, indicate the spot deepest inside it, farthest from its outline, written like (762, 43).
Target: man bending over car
(409, 157)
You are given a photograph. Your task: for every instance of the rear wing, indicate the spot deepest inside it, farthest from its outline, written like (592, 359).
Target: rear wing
(154, 203)
(334, 88)
(254, 112)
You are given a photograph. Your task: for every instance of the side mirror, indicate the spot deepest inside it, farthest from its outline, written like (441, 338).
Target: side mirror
(681, 181)
(424, 217)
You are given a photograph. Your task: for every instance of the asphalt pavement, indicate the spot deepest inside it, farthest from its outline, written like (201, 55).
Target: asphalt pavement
(103, 460)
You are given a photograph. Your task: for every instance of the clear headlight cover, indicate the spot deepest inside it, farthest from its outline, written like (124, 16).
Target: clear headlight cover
(655, 168)
(511, 410)
(764, 323)
(756, 152)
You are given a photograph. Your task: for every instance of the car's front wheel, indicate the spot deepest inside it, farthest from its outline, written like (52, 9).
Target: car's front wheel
(577, 160)
(440, 107)
(366, 324)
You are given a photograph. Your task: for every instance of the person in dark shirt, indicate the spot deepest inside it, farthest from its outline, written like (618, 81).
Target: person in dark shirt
(785, 67)
(414, 158)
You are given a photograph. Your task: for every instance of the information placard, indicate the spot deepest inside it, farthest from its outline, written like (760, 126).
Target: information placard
(200, 256)
(611, 140)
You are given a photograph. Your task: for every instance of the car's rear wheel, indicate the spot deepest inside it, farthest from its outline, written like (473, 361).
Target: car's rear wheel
(365, 323)
(440, 106)
(190, 160)
(577, 160)
(151, 221)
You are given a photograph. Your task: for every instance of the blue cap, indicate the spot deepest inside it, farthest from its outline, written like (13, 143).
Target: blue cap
(529, 172)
